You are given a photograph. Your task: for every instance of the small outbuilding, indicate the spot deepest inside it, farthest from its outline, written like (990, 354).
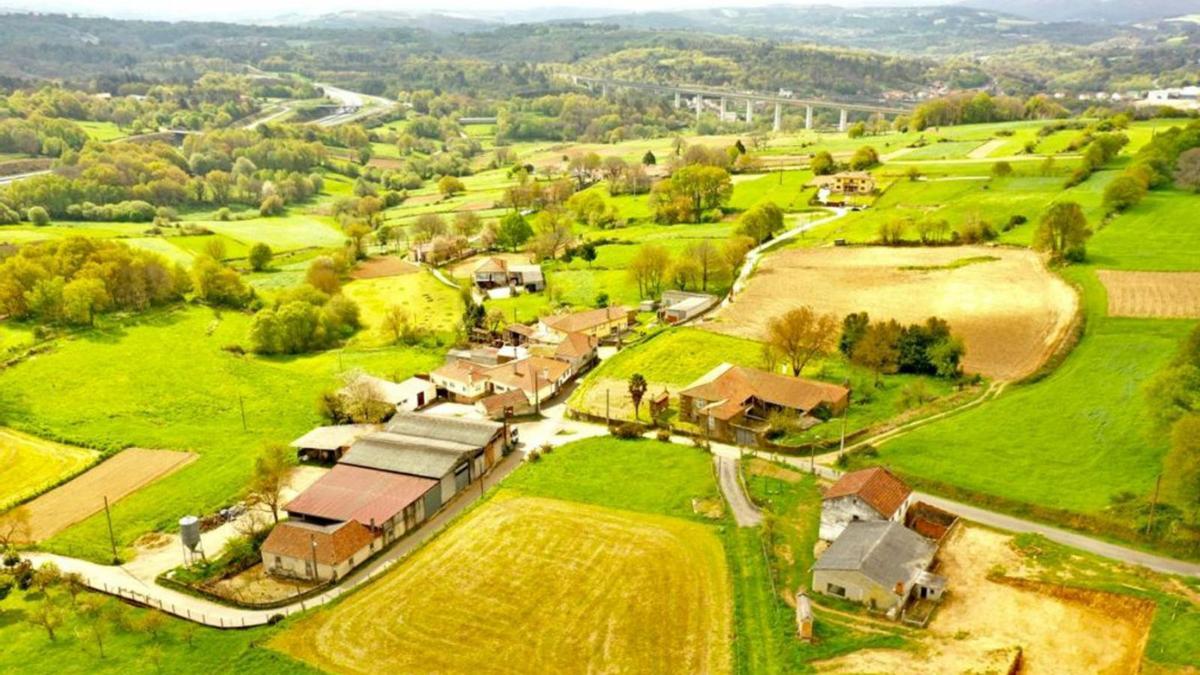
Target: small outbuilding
(329, 443)
(880, 564)
(681, 306)
(316, 552)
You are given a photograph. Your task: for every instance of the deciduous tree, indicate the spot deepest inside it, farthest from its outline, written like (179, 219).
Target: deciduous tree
(801, 334)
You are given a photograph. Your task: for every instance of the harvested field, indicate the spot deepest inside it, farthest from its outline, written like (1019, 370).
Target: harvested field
(115, 478)
(1011, 311)
(389, 266)
(1059, 630)
(1162, 295)
(527, 584)
(32, 464)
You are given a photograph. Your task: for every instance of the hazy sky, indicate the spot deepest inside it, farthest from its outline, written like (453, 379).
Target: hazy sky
(233, 10)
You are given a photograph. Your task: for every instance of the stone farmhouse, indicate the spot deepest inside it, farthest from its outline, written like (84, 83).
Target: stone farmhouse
(733, 402)
(493, 273)
(881, 564)
(874, 494)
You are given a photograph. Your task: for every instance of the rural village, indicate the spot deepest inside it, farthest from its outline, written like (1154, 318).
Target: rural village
(645, 343)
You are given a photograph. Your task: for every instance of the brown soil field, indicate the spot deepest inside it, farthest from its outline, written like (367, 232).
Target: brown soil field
(1166, 295)
(981, 622)
(421, 200)
(84, 495)
(1010, 311)
(390, 266)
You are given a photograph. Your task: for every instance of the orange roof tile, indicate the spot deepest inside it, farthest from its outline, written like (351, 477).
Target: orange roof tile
(730, 390)
(334, 543)
(581, 321)
(876, 486)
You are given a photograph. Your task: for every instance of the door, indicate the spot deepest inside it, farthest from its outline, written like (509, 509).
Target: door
(420, 399)
(462, 477)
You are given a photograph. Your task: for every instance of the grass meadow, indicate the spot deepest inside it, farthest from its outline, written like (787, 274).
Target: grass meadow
(32, 465)
(429, 303)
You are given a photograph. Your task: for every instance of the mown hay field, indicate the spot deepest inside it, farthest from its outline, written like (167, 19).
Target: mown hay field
(593, 589)
(84, 495)
(1152, 294)
(1009, 309)
(33, 464)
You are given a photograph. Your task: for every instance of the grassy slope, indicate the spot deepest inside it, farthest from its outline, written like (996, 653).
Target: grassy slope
(1161, 233)
(33, 464)
(430, 304)
(163, 381)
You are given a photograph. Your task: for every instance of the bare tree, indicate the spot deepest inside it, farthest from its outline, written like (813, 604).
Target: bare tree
(648, 269)
(801, 334)
(270, 478)
(14, 527)
(47, 614)
(705, 254)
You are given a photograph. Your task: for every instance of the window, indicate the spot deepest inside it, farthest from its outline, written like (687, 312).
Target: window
(834, 589)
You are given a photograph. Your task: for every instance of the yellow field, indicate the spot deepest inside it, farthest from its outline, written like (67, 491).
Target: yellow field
(526, 584)
(429, 303)
(30, 464)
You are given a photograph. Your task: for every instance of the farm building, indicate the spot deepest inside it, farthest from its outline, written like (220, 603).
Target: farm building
(328, 444)
(680, 306)
(388, 504)
(450, 450)
(499, 273)
(463, 381)
(578, 351)
(598, 323)
(493, 407)
(881, 564)
(411, 394)
(733, 402)
(865, 495)
(538, 377)
(316, 552)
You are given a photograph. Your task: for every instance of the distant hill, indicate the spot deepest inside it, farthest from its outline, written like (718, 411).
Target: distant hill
(934, 29)
(1091, 11)
(377, 20)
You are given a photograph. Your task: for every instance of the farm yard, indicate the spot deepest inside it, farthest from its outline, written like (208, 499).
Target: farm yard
(114, 479)
(1011, 312)
(33, 464)
(605, 577)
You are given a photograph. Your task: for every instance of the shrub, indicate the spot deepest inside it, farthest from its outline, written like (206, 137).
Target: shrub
(663, 435)
(38, 216)
(626, 430)
(260, 257)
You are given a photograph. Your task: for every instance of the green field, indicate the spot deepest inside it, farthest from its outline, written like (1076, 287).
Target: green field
(102, 131)
(164, 381)
(428, 302)
(31, 465)
(1160, 233)
(1085, 431)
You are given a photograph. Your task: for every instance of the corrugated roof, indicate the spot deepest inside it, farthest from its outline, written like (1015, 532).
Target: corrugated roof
(476, 433)
(360, 494)
(884, 551)
(412, 455)
(334, 543)
(876, 486)
(333, 437)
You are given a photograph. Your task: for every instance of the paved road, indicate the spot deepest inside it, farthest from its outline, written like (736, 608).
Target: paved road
(745, 513)
(21, 176)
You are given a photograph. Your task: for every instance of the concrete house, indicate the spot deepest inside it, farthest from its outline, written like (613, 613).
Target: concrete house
(853, 182)
(733, 402)
(538, 377)
(579, 351)
(316, 552)
(874, 494)
(411, 394)
(881, 564)
(463, 381)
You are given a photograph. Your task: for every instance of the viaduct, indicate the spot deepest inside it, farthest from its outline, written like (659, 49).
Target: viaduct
(698, 94)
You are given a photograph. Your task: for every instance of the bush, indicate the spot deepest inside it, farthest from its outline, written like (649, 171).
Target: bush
(626, 430)
(663, 435)
(260, 257)
(38, 216)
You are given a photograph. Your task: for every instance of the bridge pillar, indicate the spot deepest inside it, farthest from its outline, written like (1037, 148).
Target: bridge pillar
(808, 117)
(678, 101)
(778, 117)
(749, 111)
(699, 106)
(842, 121)
(722, 109)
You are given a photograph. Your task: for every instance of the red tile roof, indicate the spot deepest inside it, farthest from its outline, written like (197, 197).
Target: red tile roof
(728, 389)
(576, 345)
(876, 486)
(334, 543)
(356, 493)
(581, 321)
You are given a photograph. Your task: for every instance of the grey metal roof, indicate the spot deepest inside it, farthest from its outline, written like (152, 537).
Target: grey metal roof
(884, 551)
(475, 433)
(415, 456)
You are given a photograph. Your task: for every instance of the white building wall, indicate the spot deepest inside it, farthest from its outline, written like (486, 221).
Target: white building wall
(836, 514)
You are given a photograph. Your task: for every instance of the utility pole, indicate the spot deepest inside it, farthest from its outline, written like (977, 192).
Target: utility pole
(607, 408)
(313, 539)
(1153, 505)
(111, 537)
(845, 412)
(537, 398)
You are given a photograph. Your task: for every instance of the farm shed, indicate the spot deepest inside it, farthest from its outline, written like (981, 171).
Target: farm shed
(733, 402)
(317, 552)
(497, 272)
(328, 444)
(680, 306)
(881, 564)
(867, 494)
(450, 450)
(389, 504)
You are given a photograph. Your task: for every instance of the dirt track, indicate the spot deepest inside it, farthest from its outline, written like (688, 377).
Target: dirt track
(1165, 295)
(1011, 312)
(84, 495)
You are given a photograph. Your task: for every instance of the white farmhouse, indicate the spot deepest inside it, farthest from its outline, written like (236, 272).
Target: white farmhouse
(873, 494)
